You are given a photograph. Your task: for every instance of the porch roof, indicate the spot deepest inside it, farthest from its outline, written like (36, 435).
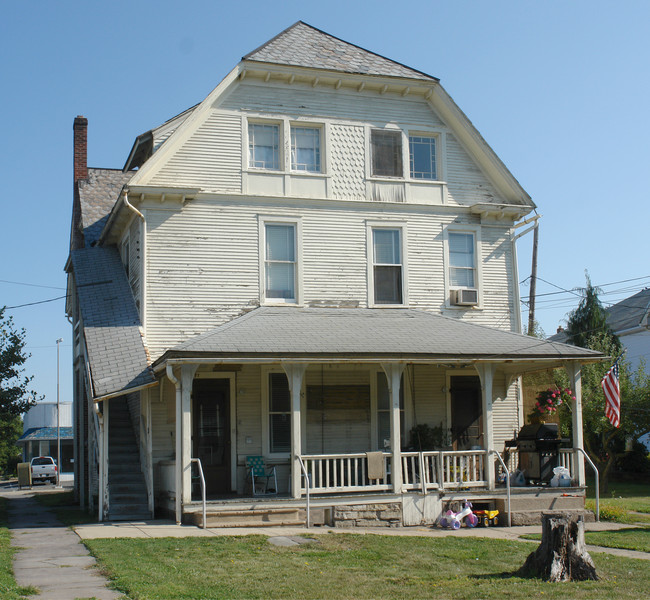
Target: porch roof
(370, 334)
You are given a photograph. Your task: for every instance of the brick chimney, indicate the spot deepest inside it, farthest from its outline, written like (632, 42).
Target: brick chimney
(80, 148)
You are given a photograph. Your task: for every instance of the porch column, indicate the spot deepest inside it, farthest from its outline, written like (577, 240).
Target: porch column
(295, 373)
(394, 377)
(486, 375)
(574, 371)
(187, 378)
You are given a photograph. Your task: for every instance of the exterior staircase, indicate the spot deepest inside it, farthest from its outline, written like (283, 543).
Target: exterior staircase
(527, 506)
(127, 490)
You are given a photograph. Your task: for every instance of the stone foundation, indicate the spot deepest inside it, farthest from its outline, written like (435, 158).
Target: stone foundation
(388, 514)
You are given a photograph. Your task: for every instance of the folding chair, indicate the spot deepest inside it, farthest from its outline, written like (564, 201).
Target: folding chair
(259, 475)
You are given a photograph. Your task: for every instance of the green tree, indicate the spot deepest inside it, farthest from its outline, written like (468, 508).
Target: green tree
(15, 395)
(588, 318)
(605, 444)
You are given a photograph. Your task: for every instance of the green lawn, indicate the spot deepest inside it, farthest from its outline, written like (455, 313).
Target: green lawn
(625, 502)
(8, 588)
(347, 566)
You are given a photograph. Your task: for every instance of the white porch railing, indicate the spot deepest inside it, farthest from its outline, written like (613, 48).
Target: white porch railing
(332, 473)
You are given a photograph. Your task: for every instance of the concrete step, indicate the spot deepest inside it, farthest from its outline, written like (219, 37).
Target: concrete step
(248, 518)
(542, 502)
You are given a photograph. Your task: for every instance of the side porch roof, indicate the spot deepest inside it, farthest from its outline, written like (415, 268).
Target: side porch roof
(346, 334)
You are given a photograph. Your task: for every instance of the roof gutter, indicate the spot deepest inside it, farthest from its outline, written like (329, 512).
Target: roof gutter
(123, 391)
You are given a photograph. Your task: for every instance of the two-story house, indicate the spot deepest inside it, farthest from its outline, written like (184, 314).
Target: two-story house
(303, 267)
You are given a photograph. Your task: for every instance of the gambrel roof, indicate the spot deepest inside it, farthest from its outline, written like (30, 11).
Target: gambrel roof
(302, 45)
(117, 353)
(97, 196)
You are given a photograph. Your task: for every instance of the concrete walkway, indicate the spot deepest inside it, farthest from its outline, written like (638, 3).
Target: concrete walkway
(50, 556)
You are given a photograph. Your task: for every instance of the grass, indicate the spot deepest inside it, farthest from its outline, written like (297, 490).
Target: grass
(625, 502)
(346, 566)
(9, 590)
(64, 507)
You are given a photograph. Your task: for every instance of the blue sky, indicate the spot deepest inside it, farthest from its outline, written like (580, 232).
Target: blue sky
(559, 89)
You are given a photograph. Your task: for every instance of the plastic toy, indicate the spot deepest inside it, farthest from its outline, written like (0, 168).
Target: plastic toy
(452, 520)
(487, 518)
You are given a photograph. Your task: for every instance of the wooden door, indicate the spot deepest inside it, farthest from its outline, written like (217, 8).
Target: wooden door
(211, 433)
(466, 422)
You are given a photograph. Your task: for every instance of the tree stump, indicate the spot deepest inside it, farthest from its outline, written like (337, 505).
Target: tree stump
(562, 555)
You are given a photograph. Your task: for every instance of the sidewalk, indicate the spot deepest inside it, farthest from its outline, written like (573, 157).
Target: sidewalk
(51, 557)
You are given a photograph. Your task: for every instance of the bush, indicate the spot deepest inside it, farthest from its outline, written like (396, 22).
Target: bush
(636, 462)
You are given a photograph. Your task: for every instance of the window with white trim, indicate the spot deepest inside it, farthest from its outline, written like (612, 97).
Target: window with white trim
(462, 260)
(280, 262)
(279, 414)
(306, 149)
(386, 153)
(264, 146)
(422, 157)
(384, 410)
(387, 266)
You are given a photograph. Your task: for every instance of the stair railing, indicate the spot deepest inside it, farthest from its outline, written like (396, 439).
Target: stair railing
(307, 485)
(593, 466)
(503, 465)
(202, 480)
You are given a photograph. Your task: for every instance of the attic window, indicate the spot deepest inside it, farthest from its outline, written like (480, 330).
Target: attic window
(386, 153)
(264, 146)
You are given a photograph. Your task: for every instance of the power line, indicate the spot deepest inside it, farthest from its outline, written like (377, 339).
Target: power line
(39, 302)
(51, 287)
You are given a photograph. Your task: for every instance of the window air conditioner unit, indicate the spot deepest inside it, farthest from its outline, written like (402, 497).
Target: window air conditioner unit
(464, 297)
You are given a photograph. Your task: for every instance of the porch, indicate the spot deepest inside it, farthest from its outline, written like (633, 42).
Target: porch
(340, 494)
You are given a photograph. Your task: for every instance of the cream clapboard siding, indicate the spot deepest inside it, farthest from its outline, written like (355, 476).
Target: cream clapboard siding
(203, 263)
(210, 159)
(505, 413)
(328, 103)
(466, 183)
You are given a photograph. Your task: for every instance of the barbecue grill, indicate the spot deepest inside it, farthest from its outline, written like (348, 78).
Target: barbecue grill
(538, 446)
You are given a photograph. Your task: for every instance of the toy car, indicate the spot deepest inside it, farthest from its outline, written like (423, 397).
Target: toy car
(487, 518)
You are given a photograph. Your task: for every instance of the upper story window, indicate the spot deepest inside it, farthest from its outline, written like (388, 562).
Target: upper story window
(306, 149)
(280, 262)
(422, 157)
(386, 153)
(387, 266)
(264, 146)
(462, 260)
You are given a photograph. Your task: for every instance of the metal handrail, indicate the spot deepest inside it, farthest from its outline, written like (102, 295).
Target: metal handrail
(593, 466)
(307, 486)
(202, 479)
(505, 468)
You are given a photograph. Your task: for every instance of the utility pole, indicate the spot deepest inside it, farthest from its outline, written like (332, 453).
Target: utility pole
(533, 283)
(58, 419)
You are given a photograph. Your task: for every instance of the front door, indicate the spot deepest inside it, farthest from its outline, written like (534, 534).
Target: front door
(466, 425)
(211, 434)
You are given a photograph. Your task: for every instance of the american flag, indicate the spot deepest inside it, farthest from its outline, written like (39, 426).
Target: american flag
(612, 391)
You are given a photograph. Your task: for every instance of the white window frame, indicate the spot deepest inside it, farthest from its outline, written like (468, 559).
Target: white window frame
(281, 144)
(437, 154)
(475, 231)
(371, 226)
(293, 125)
(279, 220)
(369, 154)
(266, 413)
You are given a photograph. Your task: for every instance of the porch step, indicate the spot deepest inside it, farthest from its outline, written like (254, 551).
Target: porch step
(265, 517)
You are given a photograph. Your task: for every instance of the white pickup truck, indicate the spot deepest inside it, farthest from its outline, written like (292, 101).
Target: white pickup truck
(43, 469)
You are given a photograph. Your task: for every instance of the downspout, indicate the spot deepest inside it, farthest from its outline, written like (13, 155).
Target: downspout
(178, 462)
(102, 454)
(130, 206)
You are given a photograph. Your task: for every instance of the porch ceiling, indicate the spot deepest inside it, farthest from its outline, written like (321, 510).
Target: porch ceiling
(318, 334)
